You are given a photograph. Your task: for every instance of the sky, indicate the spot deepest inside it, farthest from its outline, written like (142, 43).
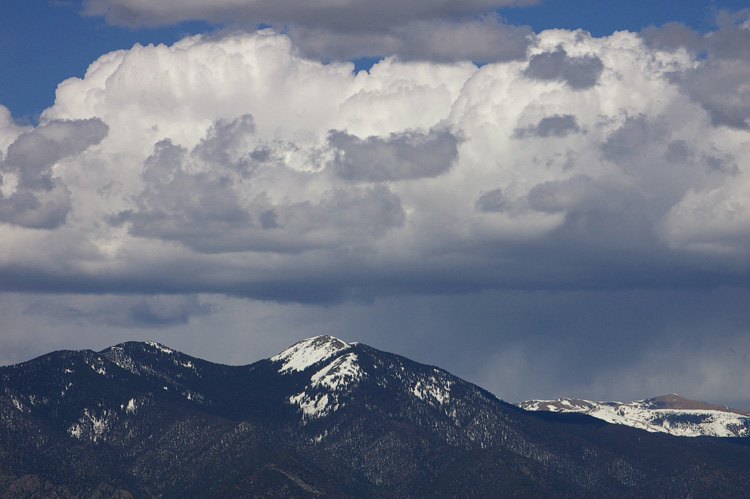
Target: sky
(547, 198)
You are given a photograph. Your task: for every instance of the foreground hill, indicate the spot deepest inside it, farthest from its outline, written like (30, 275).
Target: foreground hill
(667, 414)
(323, 418)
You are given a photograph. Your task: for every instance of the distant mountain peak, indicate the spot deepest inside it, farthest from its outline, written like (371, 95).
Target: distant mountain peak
(671, 414)
(674, 401)
(151, 347)
(308, 352)
(159, 347)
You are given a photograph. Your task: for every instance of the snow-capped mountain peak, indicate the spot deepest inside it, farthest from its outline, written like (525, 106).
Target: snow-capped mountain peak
(331, 419)
(671, 414)
(308, 352)
(338, 373)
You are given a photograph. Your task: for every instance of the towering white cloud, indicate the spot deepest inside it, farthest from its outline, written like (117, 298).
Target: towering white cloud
(237, 157)
(32, 197)
(582, 169)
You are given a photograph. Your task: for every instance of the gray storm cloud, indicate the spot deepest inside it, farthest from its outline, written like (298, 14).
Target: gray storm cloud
(493, 200)
(437, 30)
(212, 199)
(557, 126)
(572, 197)
(565, 195)
(718, 82)
(397, 157)
(349, 15)
(578, 72)
(36, 198)
(131, 312)
(487, 39)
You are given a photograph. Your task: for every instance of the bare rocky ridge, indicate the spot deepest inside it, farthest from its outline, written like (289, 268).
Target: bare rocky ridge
(674, 401)
(323, 418)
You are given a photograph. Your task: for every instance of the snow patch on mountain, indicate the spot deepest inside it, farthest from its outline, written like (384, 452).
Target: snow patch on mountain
(92, 426)
(339, 374)
(117, 355)
(308, 352)
(431, 388)
(312, 406)
(130, 408)
(562, 405)
(322, 395)
(186, 364)
(681, 417)
(17, 404)
(159, 347)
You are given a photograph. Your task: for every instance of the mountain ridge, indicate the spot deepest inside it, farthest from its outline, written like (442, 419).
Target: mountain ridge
(675, 401)
(671, 414)
(321, 418)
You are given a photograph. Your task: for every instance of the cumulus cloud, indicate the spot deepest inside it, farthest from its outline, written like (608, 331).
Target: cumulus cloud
(585, 172)
(629, 139)
(711, 220)
(493, 200)
(562, 195)
(400, 156)
(578, 72)
(263, 169)
(672, 36)
(557, 126)
(31, 196)
(213, 198)
(9, 129)
(721, 88)
(718, 81)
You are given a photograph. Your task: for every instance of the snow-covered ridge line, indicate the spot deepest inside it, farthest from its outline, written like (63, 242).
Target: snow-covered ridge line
(159, 347)
(306, 353)
(667, 414)
(338, 374)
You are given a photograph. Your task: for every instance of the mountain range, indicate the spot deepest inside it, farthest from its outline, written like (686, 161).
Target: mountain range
(324, 418)
(671, 414)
